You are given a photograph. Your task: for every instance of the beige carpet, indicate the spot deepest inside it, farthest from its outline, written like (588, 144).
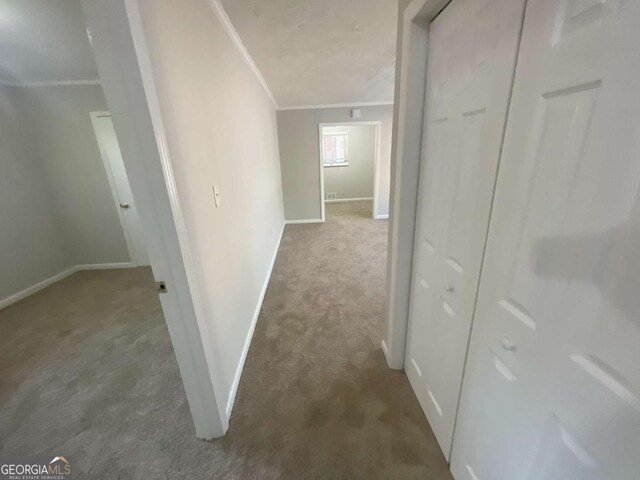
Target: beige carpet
(87, 371)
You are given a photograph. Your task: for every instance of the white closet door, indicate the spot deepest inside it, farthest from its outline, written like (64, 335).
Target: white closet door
(472, 50)
(552, 385)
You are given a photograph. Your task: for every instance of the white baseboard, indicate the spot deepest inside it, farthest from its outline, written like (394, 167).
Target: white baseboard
(104, 266)
(254, 321)
(385, 350)
(5, 302)
(307, 220)
(340, 200)
(337, 105)
(381, 217)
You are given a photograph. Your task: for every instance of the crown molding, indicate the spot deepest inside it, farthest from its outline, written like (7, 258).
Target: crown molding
(221, 13)
(337, 105)
(56, 83)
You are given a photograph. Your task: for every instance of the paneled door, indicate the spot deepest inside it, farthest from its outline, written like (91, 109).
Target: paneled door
(471, 61)
(552, 384)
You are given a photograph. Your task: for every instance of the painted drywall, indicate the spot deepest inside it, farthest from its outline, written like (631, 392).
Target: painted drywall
(32, 239)
(299, 156)
(354, 180)
(44, 41)
(221, 129)
(57, 122)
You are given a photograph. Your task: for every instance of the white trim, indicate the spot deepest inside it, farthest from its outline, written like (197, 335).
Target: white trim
(335, 165)
(146, 73)
(338, 105)
(385, 350)
(207, 425)
(304, 220)
(36, 288)
(55, 83)
(381, 217)
(340, 200)
(112, 182)
(353, 123)
(104, 266)
(329, 134)
(412, 69)
(321, 166)
(254, 321)
(220, 12)
(376, 169)
(376, 159)
(27, 292)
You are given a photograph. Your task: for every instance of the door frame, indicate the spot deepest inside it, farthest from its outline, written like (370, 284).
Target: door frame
(134, 262)
(119, 46)
(405, 172)
(376, 160)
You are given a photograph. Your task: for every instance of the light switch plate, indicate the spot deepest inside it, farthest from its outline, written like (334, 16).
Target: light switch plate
(216, 195)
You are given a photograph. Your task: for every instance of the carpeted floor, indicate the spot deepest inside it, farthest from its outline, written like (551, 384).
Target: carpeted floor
(87, 371)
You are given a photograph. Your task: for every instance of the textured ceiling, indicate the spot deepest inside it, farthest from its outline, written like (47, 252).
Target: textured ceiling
(44, 41)
(313, 52)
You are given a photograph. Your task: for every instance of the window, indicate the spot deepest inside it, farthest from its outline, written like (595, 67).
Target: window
(335, 149)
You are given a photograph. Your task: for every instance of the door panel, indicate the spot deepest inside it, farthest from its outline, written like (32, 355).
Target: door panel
(472, 50)
(552, 382)
(119, 182)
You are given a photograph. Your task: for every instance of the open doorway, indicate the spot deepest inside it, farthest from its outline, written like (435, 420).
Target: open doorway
(349, 163)
(83, 331)
(120, 187)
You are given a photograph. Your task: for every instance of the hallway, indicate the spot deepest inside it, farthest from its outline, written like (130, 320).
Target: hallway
(316, 400)
(316, 395)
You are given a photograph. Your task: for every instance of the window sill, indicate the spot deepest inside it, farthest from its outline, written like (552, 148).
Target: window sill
(341, 164)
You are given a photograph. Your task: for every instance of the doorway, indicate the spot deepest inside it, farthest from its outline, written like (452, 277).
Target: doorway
(349, 156)
(120, 188)
(62, 243)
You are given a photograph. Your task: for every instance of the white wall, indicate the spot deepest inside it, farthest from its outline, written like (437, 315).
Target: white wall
(220, 128)
(57, 121)
(356, 179)
(57, 208)
(299, 156)
(32, 240)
